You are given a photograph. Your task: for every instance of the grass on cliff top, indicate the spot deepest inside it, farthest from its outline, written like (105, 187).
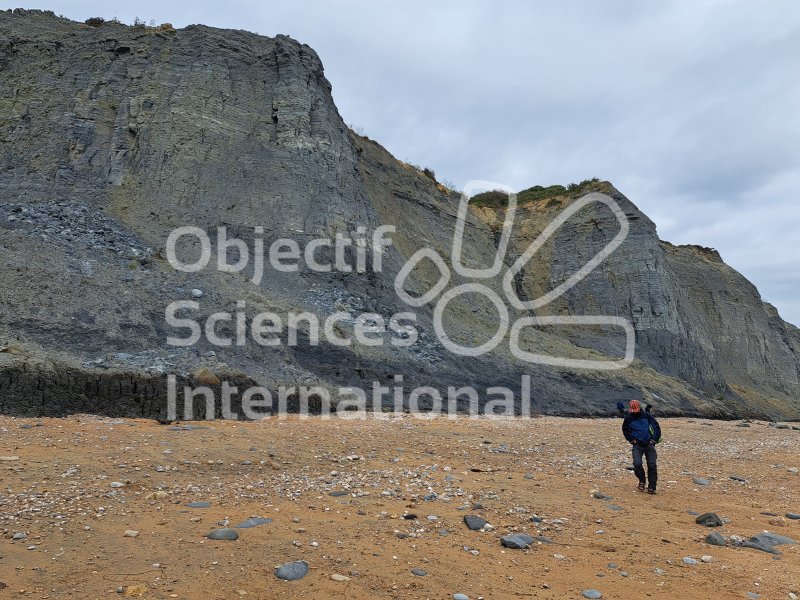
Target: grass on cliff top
(499, 199)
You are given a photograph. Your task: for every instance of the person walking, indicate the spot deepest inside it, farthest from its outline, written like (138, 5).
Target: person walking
(643, 432)
(621, 409)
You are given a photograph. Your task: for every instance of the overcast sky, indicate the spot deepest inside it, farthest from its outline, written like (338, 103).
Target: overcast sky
(690, 107)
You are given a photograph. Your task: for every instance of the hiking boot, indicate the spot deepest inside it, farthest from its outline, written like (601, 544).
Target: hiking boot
(651, 490)
(641, 487)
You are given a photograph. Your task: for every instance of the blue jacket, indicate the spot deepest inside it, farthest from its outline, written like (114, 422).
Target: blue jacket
(634, 430)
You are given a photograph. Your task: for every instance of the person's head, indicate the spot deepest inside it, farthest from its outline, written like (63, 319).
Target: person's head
(634, 407)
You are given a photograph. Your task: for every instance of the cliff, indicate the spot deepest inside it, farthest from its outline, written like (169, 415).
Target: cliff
(113, 136)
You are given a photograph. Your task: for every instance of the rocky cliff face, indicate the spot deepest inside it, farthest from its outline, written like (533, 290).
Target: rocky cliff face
(113, 136)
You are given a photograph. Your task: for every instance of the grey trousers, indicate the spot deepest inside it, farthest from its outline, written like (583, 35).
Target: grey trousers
(648, 452)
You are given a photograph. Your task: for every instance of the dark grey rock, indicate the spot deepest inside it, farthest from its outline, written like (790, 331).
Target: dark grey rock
(701, 481)
(516, 541)
(709, 520)
(772, 539)
(715, 539)
(793, 516)
(601, 496)
(474, 522)
(201, 504)
(292, 571)
(737, 478)
(759, 546)
(253, 522)
(591, 594)
(339, 493)
(223, 534)
(419, 572)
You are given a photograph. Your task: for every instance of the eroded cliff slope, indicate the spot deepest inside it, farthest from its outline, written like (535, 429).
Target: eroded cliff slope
(113, 136)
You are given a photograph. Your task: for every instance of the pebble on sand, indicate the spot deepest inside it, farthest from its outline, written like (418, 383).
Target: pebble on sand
(292, 571)
(709, 520)
(715, 539)
(517, 541)
(592, 594)
(253, 522)
(474, 522)
(223, 534)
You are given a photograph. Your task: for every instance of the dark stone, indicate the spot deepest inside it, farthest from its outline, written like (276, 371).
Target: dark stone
(772, 539)
(338, 493)
(759, 546)
(474, 522)
(419, 572)
(516, 541)
(292, 571)
(223, 534)
(253, 522)
(202, 504)
(715, 539)
(709, 520)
